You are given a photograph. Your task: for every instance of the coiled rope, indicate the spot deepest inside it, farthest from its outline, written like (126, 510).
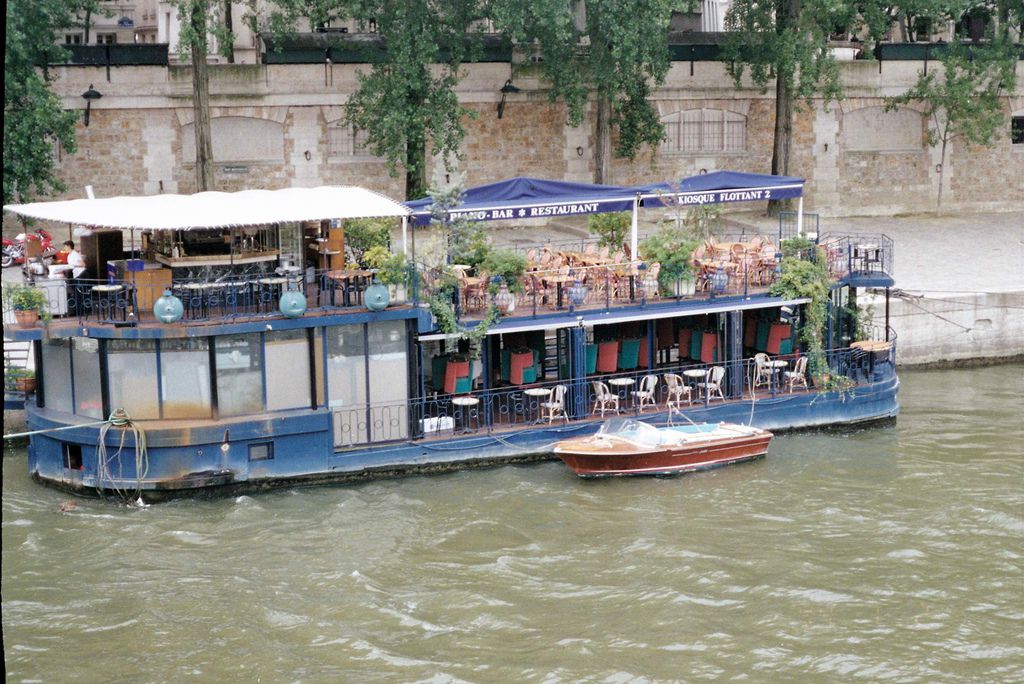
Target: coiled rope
(121, 420)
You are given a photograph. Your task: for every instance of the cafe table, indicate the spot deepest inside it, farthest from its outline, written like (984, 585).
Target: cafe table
(622, 386)
(537, 395)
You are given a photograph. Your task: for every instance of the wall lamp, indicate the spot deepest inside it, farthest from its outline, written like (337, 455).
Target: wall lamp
(90, 95)
(505, 90)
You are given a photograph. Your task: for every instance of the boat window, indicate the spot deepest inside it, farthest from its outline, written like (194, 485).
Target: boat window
(346, 383)
(132, 378)
(85, 360)
(633, 430)
(239, 374)
(287, 361)
(185, 378)
(389, 381)
(56, 375)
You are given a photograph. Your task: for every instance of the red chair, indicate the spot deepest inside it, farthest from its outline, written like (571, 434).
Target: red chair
(777, 333)
(684, 343)
(709, 348)
(644, 358)
(608, 357)
(453, 372)
(519, 363)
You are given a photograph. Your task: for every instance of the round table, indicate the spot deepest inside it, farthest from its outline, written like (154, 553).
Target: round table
(538, 394)
(467, 409)
(696, 375)
(777, 366)
(622, 385)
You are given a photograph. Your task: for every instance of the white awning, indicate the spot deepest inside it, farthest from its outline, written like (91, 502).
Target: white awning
(216, 209)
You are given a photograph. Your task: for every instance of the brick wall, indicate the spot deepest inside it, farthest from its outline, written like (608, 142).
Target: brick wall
(134, 142)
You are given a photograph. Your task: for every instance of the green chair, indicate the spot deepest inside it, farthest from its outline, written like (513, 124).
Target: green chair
(464, 385)
(629, 354)
(506, 364)
(591, 350)
(438, 364)
(695, 344)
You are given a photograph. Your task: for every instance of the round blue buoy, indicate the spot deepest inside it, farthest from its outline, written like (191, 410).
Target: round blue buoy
(168, 309)
(292, 304)
(377, 297)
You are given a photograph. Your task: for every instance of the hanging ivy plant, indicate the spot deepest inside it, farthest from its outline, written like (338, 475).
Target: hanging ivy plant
(809, 279)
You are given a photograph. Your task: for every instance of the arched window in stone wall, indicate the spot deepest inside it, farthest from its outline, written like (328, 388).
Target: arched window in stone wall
(704, 130)
(344, 141)
(872, 129)
(1017, 130)
(238, 139)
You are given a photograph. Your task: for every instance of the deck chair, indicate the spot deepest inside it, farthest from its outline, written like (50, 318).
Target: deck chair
(604, 399)
(646, 395)
(762, 372)
(555, 404)
(629, 354)
(798, 374)
(713, 383)
(677, 389)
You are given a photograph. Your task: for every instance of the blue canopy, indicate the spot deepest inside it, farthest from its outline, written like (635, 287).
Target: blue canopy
(522, 198)
(719, 187)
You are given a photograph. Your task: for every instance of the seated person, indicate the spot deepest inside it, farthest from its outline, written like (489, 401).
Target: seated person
(74, 262)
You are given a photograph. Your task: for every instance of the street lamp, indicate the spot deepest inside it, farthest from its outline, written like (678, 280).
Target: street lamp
(90, 95)
(505, 90)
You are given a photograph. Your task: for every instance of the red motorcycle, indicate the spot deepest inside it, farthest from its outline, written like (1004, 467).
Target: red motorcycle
(14, 250)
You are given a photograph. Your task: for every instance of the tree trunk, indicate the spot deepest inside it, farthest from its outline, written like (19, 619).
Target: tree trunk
(415, 168)
(788, 11)
(942, 174)
(201, 100)
(86, 25)
(229, 24)
(602, 140)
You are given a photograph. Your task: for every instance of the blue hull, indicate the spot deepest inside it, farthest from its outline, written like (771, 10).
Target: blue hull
(217, 457)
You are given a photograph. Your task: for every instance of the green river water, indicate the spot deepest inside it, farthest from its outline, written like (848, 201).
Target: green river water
(889, 553)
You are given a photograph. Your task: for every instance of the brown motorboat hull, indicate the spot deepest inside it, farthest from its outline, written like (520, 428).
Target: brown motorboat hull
(621, 460)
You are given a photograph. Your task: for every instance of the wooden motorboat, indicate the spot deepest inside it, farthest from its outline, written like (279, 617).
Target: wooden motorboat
(624, 446)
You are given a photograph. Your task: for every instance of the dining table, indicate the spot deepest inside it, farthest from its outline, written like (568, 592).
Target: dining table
(351, 282)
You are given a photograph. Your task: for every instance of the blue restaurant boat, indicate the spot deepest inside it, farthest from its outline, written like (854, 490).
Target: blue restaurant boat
(229, 348)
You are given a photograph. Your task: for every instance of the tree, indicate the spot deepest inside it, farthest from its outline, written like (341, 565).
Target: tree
(616, 49)
(34, 120)
(784, 40)
(200, 21)
(966, 100)
(407, 101)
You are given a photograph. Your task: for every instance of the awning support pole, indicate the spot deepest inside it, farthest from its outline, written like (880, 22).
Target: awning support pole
(405, 235)
(800, 216)
(633, 229)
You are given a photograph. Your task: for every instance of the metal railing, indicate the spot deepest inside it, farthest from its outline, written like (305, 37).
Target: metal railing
(509, 408)
(858, 254)
(227, 298)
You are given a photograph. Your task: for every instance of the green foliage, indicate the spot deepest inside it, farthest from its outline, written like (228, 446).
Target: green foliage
(407, 99)
(620, 52)
(392, 269)
(362, 235)
(201, 20)
(612, 228)
(447, 322)
(467, 240)
(796, 247)
(507, 264)
(704, 219)
(802, 278)
(34, 120)
(966, 101)
(24, 297)
(673, 249)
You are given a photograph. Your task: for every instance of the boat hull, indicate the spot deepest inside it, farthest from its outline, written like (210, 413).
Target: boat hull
(667, 461)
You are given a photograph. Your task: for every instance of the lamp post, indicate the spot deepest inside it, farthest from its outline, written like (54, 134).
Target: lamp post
(505, 90)
(90, 95)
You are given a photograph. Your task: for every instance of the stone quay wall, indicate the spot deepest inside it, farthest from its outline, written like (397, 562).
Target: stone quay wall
(278, 126)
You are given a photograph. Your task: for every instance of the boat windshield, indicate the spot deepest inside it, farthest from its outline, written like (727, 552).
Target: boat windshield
(633, 430)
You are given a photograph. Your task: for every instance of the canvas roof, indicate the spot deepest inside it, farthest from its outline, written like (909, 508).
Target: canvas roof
(523, 197)
(216, 209)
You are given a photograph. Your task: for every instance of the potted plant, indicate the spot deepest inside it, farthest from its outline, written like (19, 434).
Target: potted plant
(392, 270)
(506, 269)
(27, 302)
(24, 379)
(673, 248)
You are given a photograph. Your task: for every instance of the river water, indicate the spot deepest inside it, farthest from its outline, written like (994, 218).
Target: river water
(891, 553)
